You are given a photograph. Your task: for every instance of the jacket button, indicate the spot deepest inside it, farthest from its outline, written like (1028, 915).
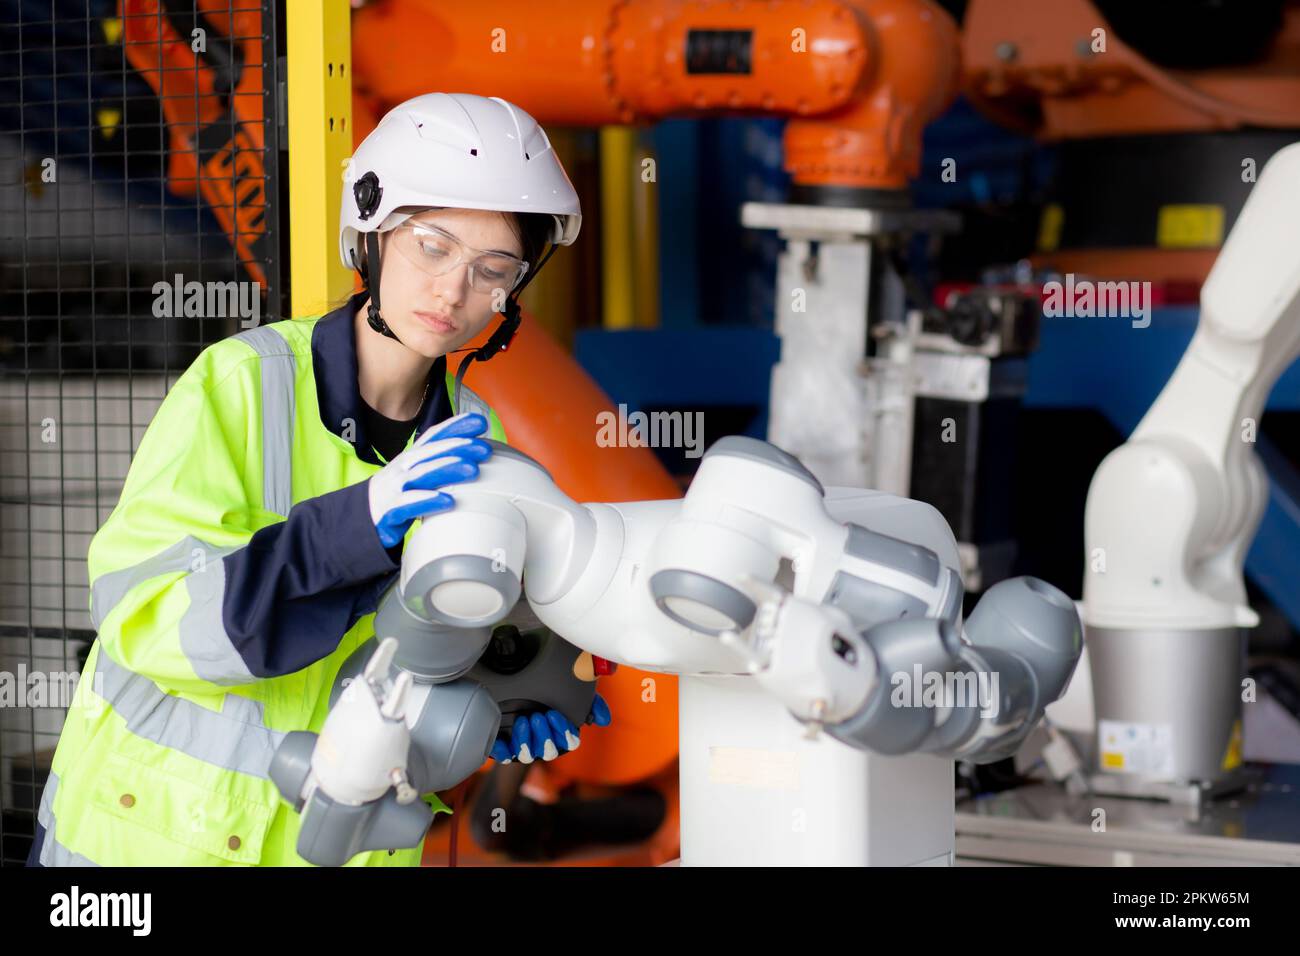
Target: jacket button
(233, 843)
(127, 800)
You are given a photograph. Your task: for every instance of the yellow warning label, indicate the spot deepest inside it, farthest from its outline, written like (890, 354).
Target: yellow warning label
(1049, 228)
(1189, 227)
(1232, 756)
(1113, 761)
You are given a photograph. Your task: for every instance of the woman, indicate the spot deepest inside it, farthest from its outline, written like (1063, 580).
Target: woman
(267, 505)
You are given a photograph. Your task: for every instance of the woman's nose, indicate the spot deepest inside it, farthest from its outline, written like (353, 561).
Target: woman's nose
(451, 286)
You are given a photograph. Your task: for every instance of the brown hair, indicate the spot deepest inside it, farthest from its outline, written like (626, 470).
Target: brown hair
(532, 229)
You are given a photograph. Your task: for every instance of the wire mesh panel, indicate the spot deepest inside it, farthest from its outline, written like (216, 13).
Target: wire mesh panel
(139, 187)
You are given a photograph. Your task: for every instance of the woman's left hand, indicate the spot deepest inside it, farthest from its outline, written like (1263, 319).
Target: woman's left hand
(547, 734)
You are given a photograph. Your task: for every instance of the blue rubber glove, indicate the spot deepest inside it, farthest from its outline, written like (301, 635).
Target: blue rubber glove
(407, 487)
(546, 734)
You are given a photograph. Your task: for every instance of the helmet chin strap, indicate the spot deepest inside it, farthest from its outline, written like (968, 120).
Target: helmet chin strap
(500, 339)
(373, 318)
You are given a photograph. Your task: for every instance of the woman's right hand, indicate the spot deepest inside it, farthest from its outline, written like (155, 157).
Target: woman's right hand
(407, 487)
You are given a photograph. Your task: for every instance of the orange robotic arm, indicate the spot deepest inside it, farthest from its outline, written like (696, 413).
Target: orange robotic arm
(860, 78)
(212, 99)
(1059, 71)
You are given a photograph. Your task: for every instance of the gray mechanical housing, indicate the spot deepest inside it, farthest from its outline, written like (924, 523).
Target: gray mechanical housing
(331, 833)
(467, 706)
(449, 741)
(433, 651)
(1024, 630)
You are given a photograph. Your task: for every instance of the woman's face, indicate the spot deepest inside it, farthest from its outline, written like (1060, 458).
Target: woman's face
(434, 315)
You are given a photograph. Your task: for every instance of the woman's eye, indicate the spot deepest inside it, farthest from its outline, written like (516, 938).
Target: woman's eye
(493, 273)
(432, 249)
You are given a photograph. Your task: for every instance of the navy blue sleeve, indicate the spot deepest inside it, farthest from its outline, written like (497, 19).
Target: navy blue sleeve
(298, 585)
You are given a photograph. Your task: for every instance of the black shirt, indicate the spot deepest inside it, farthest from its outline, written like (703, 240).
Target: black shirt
(387, 436)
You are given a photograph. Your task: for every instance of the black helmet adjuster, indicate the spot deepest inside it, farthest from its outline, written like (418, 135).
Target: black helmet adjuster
(367, 193)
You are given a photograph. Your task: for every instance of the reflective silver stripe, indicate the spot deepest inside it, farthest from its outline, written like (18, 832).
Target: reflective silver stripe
(201, 628)
(109, 589)
(236, 738)
(279, 372)
(54, 853)
(470, 402)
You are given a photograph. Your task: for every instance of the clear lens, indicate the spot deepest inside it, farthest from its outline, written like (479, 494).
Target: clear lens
(437, 252)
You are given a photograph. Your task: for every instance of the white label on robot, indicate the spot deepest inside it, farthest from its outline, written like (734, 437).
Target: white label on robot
(1146, 749)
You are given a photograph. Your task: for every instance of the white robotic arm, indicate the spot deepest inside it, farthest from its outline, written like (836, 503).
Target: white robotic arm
(1172, 512)
(751, 573)
(756, 571)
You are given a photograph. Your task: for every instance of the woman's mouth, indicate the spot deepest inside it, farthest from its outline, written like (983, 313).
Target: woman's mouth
(437, 321)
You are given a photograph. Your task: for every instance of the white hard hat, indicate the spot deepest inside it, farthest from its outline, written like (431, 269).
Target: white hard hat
(453, 150)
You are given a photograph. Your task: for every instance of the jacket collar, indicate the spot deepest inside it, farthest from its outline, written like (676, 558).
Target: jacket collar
(334, 362)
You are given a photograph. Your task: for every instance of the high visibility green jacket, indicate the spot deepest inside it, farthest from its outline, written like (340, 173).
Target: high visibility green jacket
(238, 571)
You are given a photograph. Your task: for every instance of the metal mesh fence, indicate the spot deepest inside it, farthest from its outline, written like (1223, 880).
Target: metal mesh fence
(140, 183)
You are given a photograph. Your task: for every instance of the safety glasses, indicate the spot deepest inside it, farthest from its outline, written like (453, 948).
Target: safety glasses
(437, 252)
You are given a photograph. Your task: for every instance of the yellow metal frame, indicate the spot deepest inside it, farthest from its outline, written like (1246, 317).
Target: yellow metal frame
(630, 233)
(319, 63)
(617, 256)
